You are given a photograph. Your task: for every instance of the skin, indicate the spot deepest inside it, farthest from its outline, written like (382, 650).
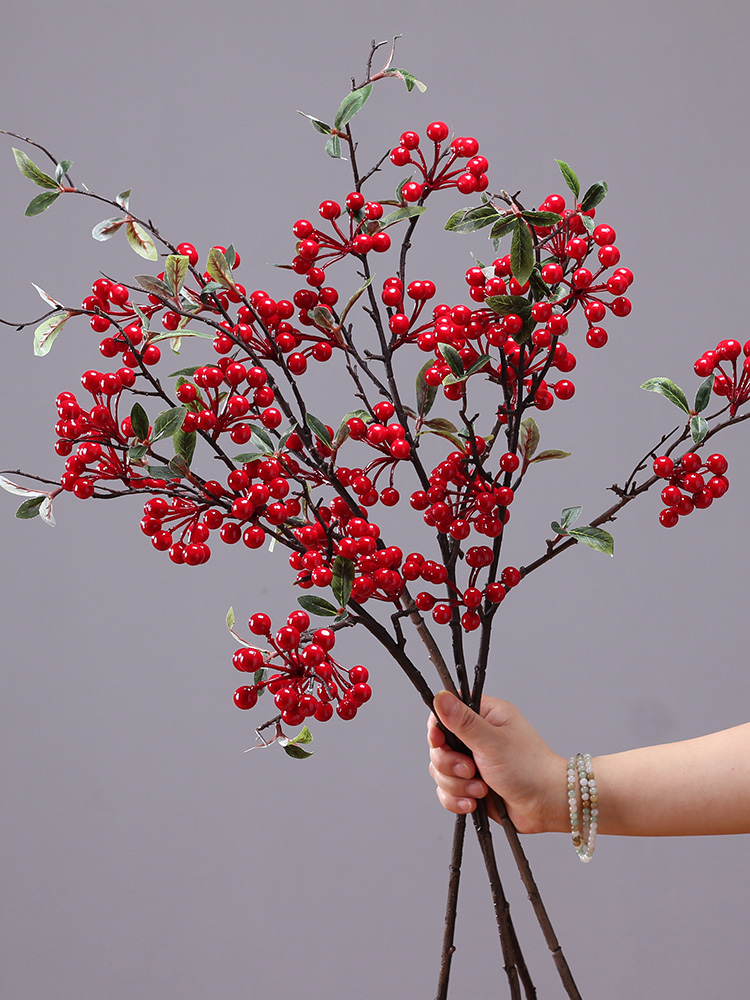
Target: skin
(695, 787)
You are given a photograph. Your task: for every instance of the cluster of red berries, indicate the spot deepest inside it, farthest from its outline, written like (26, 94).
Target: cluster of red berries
(440, 172)
(307, 681)
(477, 557)
(730, 369)
(693, 484)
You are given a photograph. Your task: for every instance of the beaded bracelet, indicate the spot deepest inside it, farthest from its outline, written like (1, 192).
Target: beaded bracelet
(583, 828)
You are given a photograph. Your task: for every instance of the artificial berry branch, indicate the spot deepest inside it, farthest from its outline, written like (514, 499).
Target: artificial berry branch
(315, 489)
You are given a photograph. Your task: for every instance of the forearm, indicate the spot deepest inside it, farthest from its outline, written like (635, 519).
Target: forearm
(692, 788)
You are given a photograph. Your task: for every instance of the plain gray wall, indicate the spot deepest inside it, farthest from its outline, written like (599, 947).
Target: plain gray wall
(144, 855)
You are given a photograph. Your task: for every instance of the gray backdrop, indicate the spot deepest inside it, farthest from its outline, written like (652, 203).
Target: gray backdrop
(144, 855)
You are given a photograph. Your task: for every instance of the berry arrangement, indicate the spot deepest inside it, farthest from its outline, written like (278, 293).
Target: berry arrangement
(323, 491)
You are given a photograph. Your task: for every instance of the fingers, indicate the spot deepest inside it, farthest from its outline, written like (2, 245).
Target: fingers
(457, 795)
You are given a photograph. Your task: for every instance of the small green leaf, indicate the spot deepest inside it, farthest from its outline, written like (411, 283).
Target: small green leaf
(34, 173)
(343, 579)
(506, 305)
(351, 104)
(260, 437)
(470, 220)
(409, 79)
(479, 364)
(30, 508)
(317, 606)
(218, 267)
(185, 372)
(230, 618)
(47, 331)
(175, 271)
(542, 218)
(343, 431)
(319, 429)
(140, 240)
(503, 226)
(570, 177)
(303, 736)
(137, 452)
(569, 516)
(595, 194)
(231, 256)
(42, 202)
(123, 199)
(168, 422)
(406, 212)
(522, 253)
(159, 472)
(441, 425)
(47, 298)
(667, 388)
(703, 395)
(61, 169)
(179, 467)
(106, 230)
(455, 362)
(317, 124)
(333, 148)
(426, 394)
(546, 456)
(698, 428)
(250, 456)
(539, 286)
(292, 750)
(145, 321)
(588, 223)
(209, 289)
(184, 444)
(140, 422)
(154, 286)
(595, 538)
(528, 438)
(354, 298)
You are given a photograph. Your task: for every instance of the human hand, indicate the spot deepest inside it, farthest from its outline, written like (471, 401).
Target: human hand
(510, 757)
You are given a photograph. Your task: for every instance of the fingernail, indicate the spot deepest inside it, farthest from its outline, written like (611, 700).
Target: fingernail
(446, 704)
(462, 770)
(465, 805)
(475, 789)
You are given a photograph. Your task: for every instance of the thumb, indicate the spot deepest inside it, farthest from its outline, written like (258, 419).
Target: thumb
(474, 731)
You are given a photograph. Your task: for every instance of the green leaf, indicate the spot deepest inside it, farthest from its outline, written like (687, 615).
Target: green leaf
(703, 395)
(61, 169)
(343, 579)
(231, 256)
(441, 425)
(470, 220)
(42, 202)
(409, 79)
(453, 358)
(159, 472)
(250, 456)
(261, 438)
(34, 173)
(303, 736)
(175, 271)
(588, 223)
(506, 305)
(47, 298)
(184, 444)
(154, 286)
(569, 516)
(230, 618)
(595, 194)
(546, 456)
(168, 422)
(667, 388)
(426, 394)
(140, 422)
(219, 269)
(179, 467)
(539, 286)
(698, 428)
(317, 124)
(137, 452)
(333, 148)
(354, 298)
(503, 226)
(185, 372)
(479, 364)
(292, 750)
(522, 253)
(209, 289)
(106, 230)
(528, 438)
(145, 320)
(351, 104)
(406, 212)
(47, 331)
(319, 429)
(140, 240)
(570, 178)
(317, 606)
(542, 218)
(30, 508)
(595, 538)
(343, 431)
(123, 199)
